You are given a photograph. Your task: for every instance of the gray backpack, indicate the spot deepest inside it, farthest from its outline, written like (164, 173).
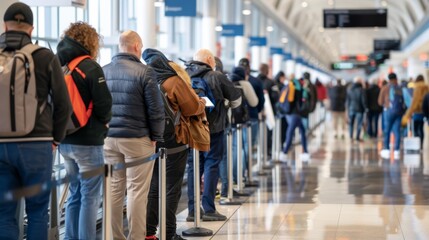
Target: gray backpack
(18, 94)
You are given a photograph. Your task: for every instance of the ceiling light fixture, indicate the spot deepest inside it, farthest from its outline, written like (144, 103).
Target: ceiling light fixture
(321, 29)
(218, 28)
(270, 28)
(304, 4)
(246, 12)
(159, 3)
(285, 40)
(330, 2)
(384, 3)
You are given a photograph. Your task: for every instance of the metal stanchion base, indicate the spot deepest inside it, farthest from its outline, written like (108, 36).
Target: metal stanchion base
(229, 202)
(241, 194)
(197, 232)
(251, 184)
(262, 174)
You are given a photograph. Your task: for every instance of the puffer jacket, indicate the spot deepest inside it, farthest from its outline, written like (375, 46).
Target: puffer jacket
(138, 110)
(356, 100)
(222, 89)
(91, 88)
(52, 122)
(337, 97)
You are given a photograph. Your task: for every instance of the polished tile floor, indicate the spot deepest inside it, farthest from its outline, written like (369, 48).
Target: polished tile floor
(345, 192)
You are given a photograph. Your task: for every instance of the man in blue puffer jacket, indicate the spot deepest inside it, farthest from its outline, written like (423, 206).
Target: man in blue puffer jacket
(136, 126)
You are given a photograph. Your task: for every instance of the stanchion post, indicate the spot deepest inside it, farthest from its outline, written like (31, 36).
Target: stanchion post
(107, 203)
(196, 230)
(240, 186)
(277, 142)
(54, 233)
(265, 140)
(250, 182)
(229, 200)
(261, 148)
(162, 196)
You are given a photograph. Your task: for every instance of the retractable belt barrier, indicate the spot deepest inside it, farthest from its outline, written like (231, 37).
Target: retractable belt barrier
(106, 171)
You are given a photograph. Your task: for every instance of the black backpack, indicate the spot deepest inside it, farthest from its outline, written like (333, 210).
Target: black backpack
(172, 118)
(240, 114)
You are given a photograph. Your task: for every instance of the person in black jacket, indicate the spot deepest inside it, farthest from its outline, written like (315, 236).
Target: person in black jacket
(83, 149)
(203, 67)
(137, 125)
(356, 106)
(337, 97)
(374, 110)
(26, 161)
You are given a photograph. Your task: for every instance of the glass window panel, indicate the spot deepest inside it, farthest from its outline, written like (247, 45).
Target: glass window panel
(105, 56)
(68, 15)
(106, 18)
(93, 13)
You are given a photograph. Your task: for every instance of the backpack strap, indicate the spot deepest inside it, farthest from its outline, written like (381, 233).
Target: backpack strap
(73, 64)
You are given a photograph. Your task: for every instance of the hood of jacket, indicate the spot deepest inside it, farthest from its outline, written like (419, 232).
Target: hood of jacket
(159, 63)
(197, 69)
(68, 49)
(14, 39)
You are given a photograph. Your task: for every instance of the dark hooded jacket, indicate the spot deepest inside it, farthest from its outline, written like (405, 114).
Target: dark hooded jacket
(51, 123)
(91, 88)
(138, 110)
(337, 97)
(356, 98)
(179, 93)
(222, 90)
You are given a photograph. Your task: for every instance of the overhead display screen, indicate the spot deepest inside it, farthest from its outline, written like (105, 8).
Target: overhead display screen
(350, 18)
(387, 44)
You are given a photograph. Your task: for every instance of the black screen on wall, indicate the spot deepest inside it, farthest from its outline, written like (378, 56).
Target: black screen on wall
(349, 18)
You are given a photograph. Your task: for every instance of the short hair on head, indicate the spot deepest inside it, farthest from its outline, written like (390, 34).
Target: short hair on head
(420, 78)
(203, 55)
(392, 76)
(127, 39)
(86, 35)
(264, 69)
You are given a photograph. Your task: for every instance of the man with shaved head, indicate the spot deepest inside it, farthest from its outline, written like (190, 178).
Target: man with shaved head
(202, 67)
(356, 106)
(137, 124)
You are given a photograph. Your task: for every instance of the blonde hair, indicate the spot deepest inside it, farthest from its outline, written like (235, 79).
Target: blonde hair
(180, 72)
(86, 35)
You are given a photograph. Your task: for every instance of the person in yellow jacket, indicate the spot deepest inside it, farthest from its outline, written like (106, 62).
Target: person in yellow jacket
(415, 110)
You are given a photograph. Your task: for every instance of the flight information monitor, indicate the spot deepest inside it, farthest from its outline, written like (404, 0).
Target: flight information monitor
(350, 18)
(387, 44)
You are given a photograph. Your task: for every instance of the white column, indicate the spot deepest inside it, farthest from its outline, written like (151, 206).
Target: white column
(290, 67)
(209, 34)
(265, 54)
(415, 67)
(146, 22)
(277, 63)
(256, 60)
(240, 49)
(3, 6)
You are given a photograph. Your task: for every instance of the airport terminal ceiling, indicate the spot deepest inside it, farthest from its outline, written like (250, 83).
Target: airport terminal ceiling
(305, 18)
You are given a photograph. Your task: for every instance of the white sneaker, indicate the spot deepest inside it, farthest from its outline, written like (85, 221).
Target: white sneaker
(385, 153)
(396, 154)
(283, 157)
(305, 156)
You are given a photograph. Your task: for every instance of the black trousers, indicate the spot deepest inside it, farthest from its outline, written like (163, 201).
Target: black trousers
(175, 169)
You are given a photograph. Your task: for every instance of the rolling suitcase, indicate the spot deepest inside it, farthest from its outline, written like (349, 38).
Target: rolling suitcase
(411, 142)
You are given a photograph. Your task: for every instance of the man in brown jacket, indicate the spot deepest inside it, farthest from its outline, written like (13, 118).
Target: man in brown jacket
(176, 84)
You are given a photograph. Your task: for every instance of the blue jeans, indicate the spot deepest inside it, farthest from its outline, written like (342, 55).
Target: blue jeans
(295, 121)
(244, 152)
(223, 168)
(372, 118)
(392, 123)
(209, 166)
(359, 118)
(23, 165)
(84, 199)
(255, 131)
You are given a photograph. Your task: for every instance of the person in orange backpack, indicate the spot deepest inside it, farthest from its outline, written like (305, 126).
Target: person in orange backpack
(82, 149)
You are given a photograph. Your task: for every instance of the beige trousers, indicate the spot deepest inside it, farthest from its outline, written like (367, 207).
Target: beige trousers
(135, 180)
(339, 123)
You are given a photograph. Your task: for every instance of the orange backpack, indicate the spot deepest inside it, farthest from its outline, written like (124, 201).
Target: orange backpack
(80, 114)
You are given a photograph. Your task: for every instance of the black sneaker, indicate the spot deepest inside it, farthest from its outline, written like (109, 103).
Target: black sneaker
(215, 216)
(177, 237)
(191, 218)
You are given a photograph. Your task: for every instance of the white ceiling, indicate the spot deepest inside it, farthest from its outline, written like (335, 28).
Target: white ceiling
(307, 23)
